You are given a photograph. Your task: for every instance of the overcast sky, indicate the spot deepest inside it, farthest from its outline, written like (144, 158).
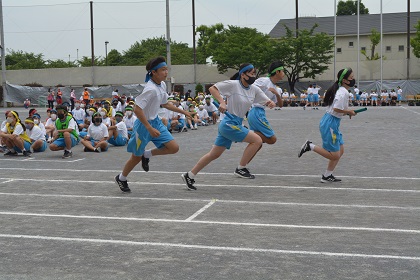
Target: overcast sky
(59, 28)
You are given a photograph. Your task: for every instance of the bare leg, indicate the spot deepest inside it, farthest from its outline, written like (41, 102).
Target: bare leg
(215, 152)
(255, 143)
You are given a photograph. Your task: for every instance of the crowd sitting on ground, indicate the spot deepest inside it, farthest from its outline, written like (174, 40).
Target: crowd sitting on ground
(95, 126)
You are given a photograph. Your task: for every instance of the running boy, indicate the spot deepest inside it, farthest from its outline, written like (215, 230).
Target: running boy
(336, 99)
(149, 127)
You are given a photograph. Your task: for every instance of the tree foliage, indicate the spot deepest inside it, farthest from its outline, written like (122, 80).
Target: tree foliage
(22, 60)
(304, 56)
(349, 7)
(59, 63)
(375, 39)
(415, 41)
(231, 47)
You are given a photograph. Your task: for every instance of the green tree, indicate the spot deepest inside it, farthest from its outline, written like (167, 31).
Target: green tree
(59, 63)
(115, 58)
(199, 88)
(87, 61)
(141, 52)
(415, 41)
(231, 47)
(16, 60)
(375, 39)
(304, 56)
(206, 35)
(349, 7)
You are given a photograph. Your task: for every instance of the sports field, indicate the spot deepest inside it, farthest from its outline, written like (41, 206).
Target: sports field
(67, 219)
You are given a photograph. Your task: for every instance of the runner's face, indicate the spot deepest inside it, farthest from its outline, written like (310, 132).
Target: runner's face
(160, 74)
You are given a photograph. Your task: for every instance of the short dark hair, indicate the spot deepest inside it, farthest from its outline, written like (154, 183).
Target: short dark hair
(155, 61)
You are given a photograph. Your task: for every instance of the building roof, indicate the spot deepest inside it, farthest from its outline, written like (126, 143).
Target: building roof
(347, 25)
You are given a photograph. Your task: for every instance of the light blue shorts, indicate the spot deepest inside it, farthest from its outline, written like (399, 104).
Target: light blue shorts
(141, 137)
(60, 141)
(310, 97)
(315, 98)
(258, 122)
(92, 142)
(230, 130)
(42, 149)
(331, 136)
(26, 145)
(120, 141)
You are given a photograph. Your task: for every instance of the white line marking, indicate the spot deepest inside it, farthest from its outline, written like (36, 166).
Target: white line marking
(205, 247)
(201, 173)
(165, 184)
(193, 216)
(412, 111)
(7, 181)
(407, 231)
(214, 200)
(40, 160)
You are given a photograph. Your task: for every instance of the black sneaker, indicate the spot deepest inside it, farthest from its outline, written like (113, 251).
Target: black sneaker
(85, 149)
(145, 163)
(329, 179)
(10, 153)
(184, 129)
(243, 173)
(190, 182)
(122, 184)
(305, 148)
(98, 150)
(26, 153)
(67, 154)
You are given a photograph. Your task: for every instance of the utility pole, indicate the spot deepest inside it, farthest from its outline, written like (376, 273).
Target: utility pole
(168, 46)
(3, 57)
(194, 48)
(408, 39)
(106, 53)
(91, 43)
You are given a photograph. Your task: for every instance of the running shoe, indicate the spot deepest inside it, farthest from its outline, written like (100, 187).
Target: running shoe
(329, 179)
(10, 153)
(305, 148)
(123, 185)
(67, 154)
(145, 163)
(188, 181)
(243, 173)
(26, 153)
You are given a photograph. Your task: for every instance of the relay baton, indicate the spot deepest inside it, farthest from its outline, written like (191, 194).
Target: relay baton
(360, 110)
(226, 112)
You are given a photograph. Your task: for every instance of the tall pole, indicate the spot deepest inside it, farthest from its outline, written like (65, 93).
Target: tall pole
(408, 39)
(91, 43)
(106, 53)
(335, 37)
(358, 41)
(381, 48)
(3, 57)
(168, 46)
(194, 49)
(297, 17)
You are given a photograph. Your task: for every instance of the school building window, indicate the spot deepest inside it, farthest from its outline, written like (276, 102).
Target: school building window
(363, 48)
(338, 50)
(388, 48)
(401, 48)
(351, 44)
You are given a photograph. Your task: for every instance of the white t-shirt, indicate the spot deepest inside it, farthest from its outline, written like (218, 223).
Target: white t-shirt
(129, 122)
(106, 121)
(240, 98)
(181, 116)
(36, 133)
(265, 84)
(210, 108)
(151, 98)
(97, 132)
(309, 90)
(78, 114)
(18, 129)
(315, 90)
(202, 114)
(356, 91)
(341, 101)
(3, 124)
(122, 129)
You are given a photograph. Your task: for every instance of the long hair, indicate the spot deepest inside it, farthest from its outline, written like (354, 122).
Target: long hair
(330, 94)
(236, 75)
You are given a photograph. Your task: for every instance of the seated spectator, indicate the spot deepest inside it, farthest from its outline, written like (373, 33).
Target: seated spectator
(14, 136)
(118, 135)
(97, 136)
(66, 133)
(211, 109)
(37, 137)
(129, 119)
(50, 125)
(192, 123)
(78, 113)
(27, 103)
(203, 116)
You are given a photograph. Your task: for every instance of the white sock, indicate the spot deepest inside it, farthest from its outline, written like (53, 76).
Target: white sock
(147, 154)
(327, 173)
(240, 166)
(311, 146)
(191, 175)
(123, 178)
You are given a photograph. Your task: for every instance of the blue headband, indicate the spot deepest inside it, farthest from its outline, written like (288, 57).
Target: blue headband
(246, 68)
(149, 73)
